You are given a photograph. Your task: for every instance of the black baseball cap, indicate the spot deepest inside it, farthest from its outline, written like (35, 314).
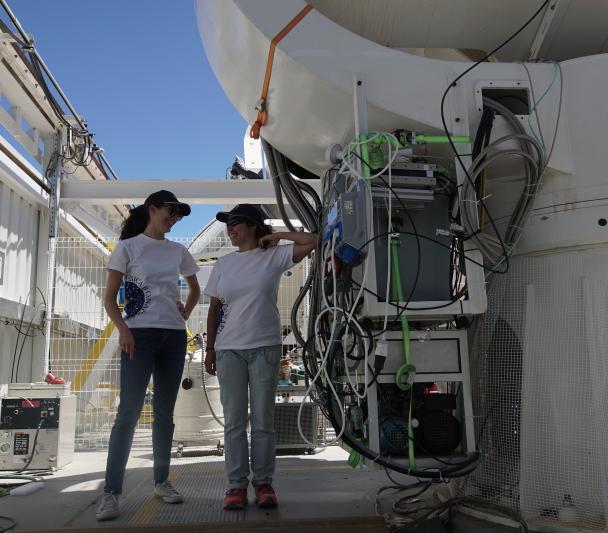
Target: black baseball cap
(247, 211)
(161, 198)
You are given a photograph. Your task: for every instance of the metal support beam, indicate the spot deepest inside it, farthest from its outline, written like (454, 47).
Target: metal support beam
(54, 173)
(360, 104)
(543, 29)
(360, 109)
(228, 192)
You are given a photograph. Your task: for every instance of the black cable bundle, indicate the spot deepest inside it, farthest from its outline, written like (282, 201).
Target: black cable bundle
(307, 205)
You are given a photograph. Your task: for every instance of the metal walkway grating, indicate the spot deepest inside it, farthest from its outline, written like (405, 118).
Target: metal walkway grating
(306, 488)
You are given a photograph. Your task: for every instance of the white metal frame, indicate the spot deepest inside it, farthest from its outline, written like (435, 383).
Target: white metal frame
(227, 192)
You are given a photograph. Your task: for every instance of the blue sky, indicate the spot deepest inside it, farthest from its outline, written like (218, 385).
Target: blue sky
(137, 71)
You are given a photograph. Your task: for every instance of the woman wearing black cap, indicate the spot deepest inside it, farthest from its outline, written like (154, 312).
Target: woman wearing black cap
(152, 336)
(244, 344)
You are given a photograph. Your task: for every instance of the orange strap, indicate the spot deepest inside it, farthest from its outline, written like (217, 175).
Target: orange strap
(254, 132)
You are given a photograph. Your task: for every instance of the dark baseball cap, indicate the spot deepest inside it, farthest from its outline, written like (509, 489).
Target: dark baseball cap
(162, 198)
(247, 211)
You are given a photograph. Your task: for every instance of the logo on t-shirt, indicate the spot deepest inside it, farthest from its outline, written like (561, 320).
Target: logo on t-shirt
(137, 296)
(222, 315)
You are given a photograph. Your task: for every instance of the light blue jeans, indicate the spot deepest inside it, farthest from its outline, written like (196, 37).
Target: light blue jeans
(239, 372)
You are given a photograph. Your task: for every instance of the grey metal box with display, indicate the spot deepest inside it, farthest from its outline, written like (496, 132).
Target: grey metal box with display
(37, 427)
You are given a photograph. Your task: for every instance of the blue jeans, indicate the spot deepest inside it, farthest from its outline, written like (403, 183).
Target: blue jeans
(160, 353)
(239, 372)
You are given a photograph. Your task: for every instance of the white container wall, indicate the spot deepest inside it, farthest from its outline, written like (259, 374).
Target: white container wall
(18, 256)
(17, 348)
(18, 244)
(79, 282)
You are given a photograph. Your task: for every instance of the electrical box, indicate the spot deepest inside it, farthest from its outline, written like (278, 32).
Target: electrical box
(418, 234)
(37, 427)
(348, 219)
(442, 411)
(432, 269)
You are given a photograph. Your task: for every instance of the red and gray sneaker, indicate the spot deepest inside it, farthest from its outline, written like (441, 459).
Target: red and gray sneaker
(265, 496)
(235, 499)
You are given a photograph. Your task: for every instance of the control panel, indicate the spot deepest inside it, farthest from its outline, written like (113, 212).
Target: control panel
(37, 427)
(22, 413)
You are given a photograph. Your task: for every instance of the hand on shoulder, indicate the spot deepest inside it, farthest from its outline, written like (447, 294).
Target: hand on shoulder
(268, 241)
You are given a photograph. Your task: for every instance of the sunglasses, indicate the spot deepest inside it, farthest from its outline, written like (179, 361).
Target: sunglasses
(174, 210)
(234, 221)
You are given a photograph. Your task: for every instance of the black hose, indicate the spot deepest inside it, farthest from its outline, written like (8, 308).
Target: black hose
(298, 203)
(294, 190)
(276, 184)
(307, 189)
(296, 306)
(306, 212)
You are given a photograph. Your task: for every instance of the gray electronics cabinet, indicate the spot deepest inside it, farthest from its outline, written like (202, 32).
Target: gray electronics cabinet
(37, 427)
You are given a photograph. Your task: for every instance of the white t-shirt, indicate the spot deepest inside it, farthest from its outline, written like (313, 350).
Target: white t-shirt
(151, 269)
(247, 285)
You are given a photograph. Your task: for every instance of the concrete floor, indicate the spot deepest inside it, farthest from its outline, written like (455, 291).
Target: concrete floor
(317, 493)
(320, 486)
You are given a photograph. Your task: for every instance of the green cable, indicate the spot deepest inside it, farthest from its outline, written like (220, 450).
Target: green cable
(440, 139)
(407, 370)
(364, 154)
(354, 458)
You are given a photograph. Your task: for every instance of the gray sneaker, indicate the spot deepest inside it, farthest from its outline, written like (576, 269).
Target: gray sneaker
(167, 493)
(108, 509)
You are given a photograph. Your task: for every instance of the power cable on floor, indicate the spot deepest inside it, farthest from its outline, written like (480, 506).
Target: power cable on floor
(8, 519)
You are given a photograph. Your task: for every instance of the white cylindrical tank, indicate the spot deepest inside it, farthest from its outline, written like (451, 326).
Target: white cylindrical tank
(198, 400)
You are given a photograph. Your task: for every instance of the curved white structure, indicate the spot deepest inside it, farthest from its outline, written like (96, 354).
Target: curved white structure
(539, 356)
(310, 101)
(312, 76)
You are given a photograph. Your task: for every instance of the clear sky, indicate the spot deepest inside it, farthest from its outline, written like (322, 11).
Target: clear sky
(137, 71)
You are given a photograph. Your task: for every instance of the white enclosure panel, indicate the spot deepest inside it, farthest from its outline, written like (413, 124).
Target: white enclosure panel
(9, 340)
(18, 244)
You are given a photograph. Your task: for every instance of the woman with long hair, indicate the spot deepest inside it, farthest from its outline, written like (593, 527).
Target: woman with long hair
(244, 345)
(152, 336)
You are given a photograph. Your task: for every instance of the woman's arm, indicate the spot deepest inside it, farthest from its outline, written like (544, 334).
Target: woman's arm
(212, 316)
(125, 337)
(194, 294)
(303, 243)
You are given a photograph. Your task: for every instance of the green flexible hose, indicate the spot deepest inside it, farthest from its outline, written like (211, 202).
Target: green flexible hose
(364, 149)
(407, 370)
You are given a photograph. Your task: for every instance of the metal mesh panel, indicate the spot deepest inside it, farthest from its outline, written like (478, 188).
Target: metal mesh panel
(286, 425)
(82, 341)
(540, 368)
(84, 344)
